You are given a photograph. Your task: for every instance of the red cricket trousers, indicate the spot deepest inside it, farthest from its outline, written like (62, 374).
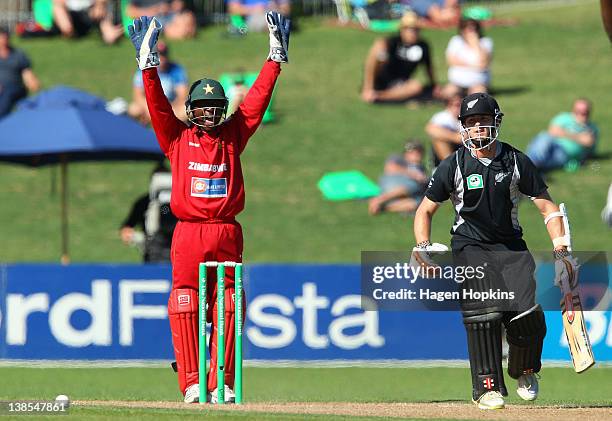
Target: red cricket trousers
(192, 244)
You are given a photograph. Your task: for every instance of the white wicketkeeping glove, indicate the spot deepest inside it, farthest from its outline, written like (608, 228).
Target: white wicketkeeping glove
(566, 272)
(280, 29)
(144, 33)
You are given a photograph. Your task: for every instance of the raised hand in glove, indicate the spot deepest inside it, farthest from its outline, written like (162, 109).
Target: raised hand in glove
(144, 32)
(280, 28)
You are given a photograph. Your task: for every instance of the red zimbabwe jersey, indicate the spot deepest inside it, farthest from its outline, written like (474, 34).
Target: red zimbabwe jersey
(207, 178)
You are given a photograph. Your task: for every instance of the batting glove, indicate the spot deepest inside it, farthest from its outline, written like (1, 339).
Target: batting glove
(280, 28)
(566, 270)
(422, 255)
(143, 33)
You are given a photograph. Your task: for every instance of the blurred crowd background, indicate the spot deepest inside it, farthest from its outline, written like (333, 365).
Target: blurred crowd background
(419, 57)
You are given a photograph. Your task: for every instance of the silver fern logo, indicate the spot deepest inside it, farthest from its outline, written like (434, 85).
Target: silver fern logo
(500, 176)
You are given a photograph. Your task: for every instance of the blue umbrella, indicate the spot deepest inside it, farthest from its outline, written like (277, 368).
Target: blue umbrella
(64, 124)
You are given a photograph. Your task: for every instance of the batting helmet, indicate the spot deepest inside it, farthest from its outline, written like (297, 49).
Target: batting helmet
(480, 104)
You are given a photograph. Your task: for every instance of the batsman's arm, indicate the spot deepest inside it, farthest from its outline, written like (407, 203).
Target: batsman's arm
(422, 220)
(553, 220)
(438, 190)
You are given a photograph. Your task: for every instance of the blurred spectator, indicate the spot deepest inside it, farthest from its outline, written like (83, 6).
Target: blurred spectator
(469, 58)
(252, 13)
(75, 18)
(16, 75)
(438, 13)
(236, 94)
(379, 11)
(391, 63)
(570, 139)
(443, 129)
(152, 216)
(174, 82)
(606, 16)
(178, 22)
(403, 182)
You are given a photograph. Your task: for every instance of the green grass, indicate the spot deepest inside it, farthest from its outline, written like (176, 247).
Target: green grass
(539, 66)
(559, 386)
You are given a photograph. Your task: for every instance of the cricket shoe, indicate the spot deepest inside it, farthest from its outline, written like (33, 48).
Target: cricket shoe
(528, 387)
(229, 395)
(192, 394)
(490, 400)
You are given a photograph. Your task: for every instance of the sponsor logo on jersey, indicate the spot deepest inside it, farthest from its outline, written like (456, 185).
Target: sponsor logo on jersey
(474, 181)
(472, 103)
(197, 166)
(197, 145)
(208, 187)
(500, 176)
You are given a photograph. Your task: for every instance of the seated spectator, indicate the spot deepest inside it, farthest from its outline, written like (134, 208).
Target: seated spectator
(379, 11)
(178, 22)
(570, 139)
(469, 58)
(16, 75)
(75, 18)
(391, 63)
(236, 95)
(150, 223)
(443, 129)
(252, 13)
(403, 182)
(174, 82)
(437, 13)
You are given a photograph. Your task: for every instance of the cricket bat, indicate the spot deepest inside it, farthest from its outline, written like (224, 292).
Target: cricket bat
(573, 318)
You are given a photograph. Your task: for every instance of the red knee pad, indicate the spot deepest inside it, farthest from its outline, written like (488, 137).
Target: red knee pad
(183, 315)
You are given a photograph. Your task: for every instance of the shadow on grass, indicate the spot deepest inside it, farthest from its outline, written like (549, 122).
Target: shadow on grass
(604, 156)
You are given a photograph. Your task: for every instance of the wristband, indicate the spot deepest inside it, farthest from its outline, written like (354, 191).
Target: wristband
(424, 244)
(560, 254)
(560, 241)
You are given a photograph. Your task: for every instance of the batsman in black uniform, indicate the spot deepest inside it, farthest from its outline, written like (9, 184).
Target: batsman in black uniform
(485, 180)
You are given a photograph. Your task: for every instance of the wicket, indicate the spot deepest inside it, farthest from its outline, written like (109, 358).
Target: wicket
(220, 330)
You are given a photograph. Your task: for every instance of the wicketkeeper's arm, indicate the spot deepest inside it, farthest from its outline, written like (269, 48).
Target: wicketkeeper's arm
(144, 33)
(166, 125)
(250, 113)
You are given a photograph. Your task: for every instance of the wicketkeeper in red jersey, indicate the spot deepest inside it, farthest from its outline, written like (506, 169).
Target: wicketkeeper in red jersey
(207, 191)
